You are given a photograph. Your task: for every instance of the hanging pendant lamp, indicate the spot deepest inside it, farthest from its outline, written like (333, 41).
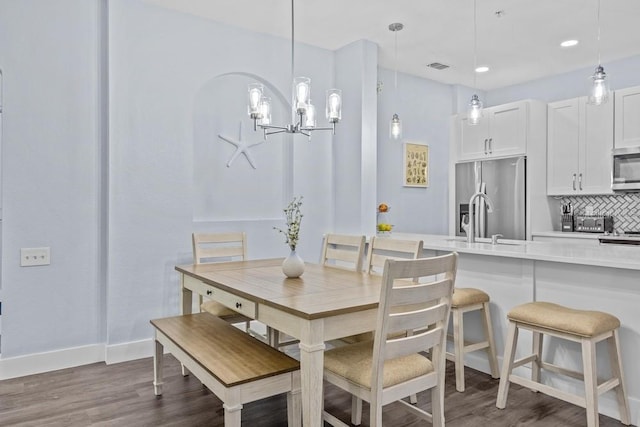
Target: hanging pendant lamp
(599, 93)
(395, 127)
(474, 109)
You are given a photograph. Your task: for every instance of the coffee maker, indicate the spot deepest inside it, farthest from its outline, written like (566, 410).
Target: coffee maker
(567, 217)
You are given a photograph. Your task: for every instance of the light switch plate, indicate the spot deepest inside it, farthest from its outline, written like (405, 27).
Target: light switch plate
(30, 257)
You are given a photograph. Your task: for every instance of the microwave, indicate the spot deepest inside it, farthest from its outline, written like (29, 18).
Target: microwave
(626, 169)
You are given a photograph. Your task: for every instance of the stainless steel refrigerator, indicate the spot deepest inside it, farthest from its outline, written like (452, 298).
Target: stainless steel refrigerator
(503, 181)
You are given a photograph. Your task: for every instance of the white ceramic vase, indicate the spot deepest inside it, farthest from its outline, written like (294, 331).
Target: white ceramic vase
(293, 265)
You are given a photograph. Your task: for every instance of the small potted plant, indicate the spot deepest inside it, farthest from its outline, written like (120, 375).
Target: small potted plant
(293, 265)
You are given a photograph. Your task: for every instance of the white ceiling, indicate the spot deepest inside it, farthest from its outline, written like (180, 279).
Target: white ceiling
(521, 45)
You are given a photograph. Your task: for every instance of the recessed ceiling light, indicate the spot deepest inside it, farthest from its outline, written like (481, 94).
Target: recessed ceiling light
(569, 43)
(482, 69)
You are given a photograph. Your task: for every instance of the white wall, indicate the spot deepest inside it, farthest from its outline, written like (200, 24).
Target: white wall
(424, 107)
(162, 66)
(49, 54)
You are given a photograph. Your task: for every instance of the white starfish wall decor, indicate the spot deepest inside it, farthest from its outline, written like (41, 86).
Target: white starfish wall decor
(241, 148)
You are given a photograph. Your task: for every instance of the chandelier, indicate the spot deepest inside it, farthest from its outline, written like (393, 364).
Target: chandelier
(303, 111)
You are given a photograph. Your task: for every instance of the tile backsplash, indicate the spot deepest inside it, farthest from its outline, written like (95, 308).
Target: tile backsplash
(624, 208)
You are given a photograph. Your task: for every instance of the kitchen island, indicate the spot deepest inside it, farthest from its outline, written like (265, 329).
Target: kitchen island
(590, 277)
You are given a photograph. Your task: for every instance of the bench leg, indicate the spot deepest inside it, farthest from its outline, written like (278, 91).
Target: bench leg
(157, 369)
(232, 415)
(294, 402)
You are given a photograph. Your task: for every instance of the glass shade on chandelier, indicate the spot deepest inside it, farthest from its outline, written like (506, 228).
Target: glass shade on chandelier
(474, 110)
(599, 92)
(395, 127)
(303, 111)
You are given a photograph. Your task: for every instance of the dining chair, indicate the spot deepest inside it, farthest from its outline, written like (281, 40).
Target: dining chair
(220, 247)
(383, 248)
(338, 251)
(343, 251)
(415, 300)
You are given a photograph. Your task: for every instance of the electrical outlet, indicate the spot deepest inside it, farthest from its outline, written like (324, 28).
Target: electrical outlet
(30, 257)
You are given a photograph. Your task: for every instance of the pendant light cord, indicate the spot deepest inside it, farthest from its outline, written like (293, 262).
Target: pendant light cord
(599, 61)
(475, 45)
(396, 69)
(292, 41)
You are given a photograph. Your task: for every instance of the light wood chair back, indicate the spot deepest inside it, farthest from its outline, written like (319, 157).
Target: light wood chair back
(343, 251)
(216, 247)
(412, 319)
(381, 249)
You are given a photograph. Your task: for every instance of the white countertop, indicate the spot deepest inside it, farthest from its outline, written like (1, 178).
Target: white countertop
(614, 256)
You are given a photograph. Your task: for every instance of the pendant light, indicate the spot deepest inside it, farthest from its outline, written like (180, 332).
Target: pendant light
(599, 93)
(474, 110)
(395, 127)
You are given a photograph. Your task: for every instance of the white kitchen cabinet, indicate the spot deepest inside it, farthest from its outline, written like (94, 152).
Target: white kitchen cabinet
(502, 132)
(579, 144)
(627, 124)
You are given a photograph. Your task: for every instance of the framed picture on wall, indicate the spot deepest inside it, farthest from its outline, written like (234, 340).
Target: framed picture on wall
(416, 165)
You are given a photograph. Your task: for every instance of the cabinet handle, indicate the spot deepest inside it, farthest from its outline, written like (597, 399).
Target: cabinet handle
(574, 182)
(485, 146)
(580, 182)
(238, 305)
(209, 292)
(490, 145)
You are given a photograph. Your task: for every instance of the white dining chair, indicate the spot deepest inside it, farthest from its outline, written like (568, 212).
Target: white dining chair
(412, 320)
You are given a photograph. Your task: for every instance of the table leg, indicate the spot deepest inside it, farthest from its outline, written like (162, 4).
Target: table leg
(186, 307)
(186, 298)
(311, 372)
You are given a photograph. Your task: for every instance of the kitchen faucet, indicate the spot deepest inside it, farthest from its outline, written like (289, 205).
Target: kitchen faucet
(471, 238)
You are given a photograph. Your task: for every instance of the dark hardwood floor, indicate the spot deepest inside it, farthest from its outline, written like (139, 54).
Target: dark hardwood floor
(122, 395)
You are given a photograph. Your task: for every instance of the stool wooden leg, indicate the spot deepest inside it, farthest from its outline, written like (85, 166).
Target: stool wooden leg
(590, 381)
(458, 347)
(488, 333)
(507, 365)
(537, 350)
(613, 342)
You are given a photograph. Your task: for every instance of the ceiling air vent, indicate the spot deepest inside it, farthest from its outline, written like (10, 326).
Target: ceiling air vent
(438, 66)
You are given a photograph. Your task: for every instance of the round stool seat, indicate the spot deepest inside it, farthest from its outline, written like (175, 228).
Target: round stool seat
(584, 323)
(463, 297)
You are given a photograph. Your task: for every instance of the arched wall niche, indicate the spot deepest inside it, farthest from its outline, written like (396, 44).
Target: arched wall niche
(238, 192)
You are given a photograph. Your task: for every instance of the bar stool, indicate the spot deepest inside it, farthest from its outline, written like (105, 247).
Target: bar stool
(581, 326)
(466, 300)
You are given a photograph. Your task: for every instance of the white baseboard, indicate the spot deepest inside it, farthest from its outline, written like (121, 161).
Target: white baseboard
(129, 351)
(50, 361)
(71, 357)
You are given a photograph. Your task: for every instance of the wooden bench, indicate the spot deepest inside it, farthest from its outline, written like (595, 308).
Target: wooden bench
(236, 368)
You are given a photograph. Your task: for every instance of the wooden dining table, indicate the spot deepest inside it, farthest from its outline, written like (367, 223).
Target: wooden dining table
(325, 303)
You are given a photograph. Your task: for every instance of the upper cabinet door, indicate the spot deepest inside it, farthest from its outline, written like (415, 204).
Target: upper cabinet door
(473, 139)
(563, 144)
(579, 143)
(627, 117)
(508, 130)
(502, 132)
(595, 155)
